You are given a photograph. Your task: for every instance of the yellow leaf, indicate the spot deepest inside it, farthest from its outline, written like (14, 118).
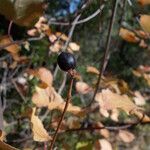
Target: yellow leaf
(145, 23)
(128, 35)
(109, 101)
(39, 133)
(144, 2)
(83, 87)
(126, 136)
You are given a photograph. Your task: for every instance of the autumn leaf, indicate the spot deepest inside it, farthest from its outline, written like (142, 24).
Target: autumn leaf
(82, 87)
(39, 133)
(13, 48)
(109, 101)
(145, 23)
(128, 35)
(126, 136)
(74, 47)
(103, 144)
(92, 69)
(139, 99)
(4, 146)
(144, 2)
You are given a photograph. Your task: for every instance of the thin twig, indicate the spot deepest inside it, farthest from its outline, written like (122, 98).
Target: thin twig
(80, 21)
(63, 114)
(106, 53)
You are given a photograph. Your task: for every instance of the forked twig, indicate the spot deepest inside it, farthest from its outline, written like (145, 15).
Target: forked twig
(63, 114)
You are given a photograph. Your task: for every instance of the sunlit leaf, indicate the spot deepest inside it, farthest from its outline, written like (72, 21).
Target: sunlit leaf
(109, 101)
(83, 87)
(145, 23)
(92, 69)
(126, 136)
(128, 35)
(39, 133)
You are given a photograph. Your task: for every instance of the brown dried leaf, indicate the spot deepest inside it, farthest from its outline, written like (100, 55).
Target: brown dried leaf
(83, 87)
(4, 146)
(128, 35)
(126, 136)
(145, 23)
(91, 69)
(144, 2)
(109, 101)
(14, 48)
(39, 133)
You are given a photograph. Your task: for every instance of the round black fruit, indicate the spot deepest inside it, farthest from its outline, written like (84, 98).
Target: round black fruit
(66, 61)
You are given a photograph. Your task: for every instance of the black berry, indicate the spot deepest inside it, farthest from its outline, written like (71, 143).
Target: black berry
(66, 61)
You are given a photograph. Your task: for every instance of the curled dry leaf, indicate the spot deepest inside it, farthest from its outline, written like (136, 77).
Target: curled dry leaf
(139, 99)
(126, 136)
(92, 69)
(128, 35)
(109, 101)
(144, 2)
(145, 23)
(83, 87)
(42, 20)
(39, 133)
(74, 47)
